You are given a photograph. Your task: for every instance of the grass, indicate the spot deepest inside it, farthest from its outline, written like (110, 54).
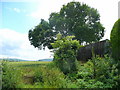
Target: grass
(28, 63)
(23, 72)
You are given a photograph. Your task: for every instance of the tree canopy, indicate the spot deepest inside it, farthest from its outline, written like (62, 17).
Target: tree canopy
(75, 19)
(42, 35)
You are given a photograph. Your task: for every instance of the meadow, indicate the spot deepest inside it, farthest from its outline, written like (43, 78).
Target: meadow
(20, 74)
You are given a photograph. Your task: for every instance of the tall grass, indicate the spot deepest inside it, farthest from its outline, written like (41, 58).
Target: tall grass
(14, 73)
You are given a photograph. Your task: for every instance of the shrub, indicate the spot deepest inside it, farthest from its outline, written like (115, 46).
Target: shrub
(115, 40)
(98, 73)
(50, 77)
(10, 76)
(65, 51)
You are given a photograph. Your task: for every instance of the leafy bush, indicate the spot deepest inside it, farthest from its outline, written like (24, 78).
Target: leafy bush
(65, 50)
(115, 40)
(98, 73)
(10, 76)
(50, 77)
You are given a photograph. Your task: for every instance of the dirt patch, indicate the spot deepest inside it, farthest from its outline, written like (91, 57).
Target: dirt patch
(28, 79)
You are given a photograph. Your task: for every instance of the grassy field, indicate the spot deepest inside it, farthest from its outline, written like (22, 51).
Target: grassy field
(28, 63)
(23, 73)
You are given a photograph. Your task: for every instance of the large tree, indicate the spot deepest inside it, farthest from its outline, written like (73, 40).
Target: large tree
(75, 19)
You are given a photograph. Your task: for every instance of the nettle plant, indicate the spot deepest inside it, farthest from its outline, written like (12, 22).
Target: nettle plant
(65, 51)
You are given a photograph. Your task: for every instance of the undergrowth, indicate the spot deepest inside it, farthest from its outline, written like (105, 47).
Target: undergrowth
(96, 73)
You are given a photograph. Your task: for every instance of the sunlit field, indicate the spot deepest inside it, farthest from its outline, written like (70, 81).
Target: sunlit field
(28, 63)
(21, 73)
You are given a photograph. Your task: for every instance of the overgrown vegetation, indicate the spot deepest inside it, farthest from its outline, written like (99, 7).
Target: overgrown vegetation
(65, 51)
(96, 73)
(99, 73)
(11, 76)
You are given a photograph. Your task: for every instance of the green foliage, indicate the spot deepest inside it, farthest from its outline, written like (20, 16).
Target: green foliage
(115, 40)
(50, 77)
(65, 50)
(10, 76)
(75, 19)
(98, 73)
(41, 35)
(79, 20)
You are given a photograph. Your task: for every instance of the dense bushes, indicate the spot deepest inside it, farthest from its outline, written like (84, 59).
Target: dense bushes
(98, 73)
(115, 40)
(65, 50)
(50, 77)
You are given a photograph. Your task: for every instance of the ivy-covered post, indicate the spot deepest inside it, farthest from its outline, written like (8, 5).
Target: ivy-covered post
(93, 56)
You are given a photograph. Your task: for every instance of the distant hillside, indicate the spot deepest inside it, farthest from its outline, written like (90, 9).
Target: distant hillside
(12, 59)
(46, 59)
(18, 60)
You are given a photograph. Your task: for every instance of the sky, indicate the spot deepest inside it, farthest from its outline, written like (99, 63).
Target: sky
(17, 17)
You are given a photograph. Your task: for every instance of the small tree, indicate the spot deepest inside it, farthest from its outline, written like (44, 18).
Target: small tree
(65, 51)
(115, 40)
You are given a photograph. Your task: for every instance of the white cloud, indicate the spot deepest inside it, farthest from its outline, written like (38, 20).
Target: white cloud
(17, 45)
(46, 7)
(16, 10)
